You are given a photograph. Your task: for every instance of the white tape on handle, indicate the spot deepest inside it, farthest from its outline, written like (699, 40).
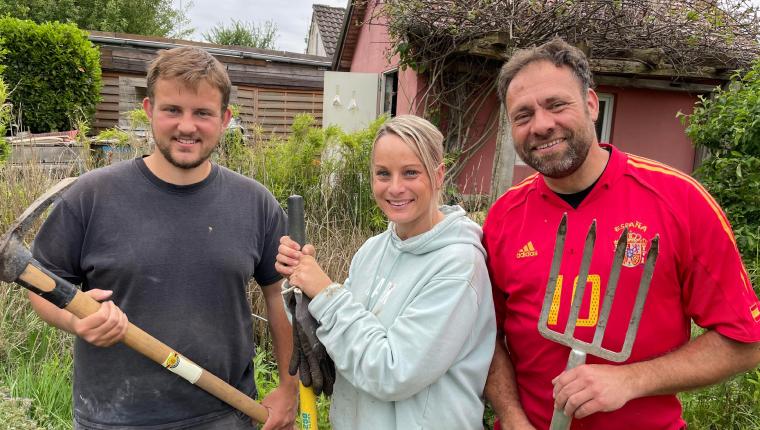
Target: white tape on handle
(183, 367)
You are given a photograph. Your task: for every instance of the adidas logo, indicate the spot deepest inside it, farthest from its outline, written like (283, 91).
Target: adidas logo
(527, 251)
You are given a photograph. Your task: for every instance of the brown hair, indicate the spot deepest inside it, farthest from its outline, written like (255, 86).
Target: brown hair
(189, 65)
(422, 137)
(558, 52)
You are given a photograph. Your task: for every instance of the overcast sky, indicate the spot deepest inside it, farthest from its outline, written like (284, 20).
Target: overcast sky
(291, 16)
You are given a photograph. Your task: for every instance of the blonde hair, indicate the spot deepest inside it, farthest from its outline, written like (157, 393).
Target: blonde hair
(190, 66)
(422, 137)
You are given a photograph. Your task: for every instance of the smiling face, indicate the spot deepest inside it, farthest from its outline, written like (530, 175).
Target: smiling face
(552, 121)
(402, 188)
(187, 125)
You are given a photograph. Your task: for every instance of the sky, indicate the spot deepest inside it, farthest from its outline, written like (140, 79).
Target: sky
(291, 16)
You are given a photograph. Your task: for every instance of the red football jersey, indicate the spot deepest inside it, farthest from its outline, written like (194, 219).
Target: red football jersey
(699, 275)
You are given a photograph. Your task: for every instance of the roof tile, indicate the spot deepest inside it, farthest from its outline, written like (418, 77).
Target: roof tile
(330, 22)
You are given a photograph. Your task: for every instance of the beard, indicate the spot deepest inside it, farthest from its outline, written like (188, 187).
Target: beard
(166, 151)
(558, 165)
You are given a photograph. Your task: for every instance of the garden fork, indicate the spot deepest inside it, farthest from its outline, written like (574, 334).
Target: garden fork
(579, 348)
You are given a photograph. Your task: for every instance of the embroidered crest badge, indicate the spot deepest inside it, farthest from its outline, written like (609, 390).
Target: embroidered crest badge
(638, 245)
(636, 250)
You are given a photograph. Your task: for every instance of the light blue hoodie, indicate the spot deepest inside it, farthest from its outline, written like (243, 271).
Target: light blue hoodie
(412, 330)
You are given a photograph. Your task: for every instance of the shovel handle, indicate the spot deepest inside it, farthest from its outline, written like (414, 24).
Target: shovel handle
(64, 295)
(297, 232)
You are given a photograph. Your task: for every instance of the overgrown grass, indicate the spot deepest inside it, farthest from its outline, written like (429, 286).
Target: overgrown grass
(14, 411)
(35, 360)
(733, 404)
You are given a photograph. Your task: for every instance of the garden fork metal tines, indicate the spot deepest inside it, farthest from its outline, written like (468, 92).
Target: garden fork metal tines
(580, 348)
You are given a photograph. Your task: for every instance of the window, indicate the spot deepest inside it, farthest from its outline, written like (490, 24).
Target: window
(390, 91)
(140, 94)
(604, 121)
(132, 91)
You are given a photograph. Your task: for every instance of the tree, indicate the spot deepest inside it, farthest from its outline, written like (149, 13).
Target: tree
(148, 17)
(243, 33)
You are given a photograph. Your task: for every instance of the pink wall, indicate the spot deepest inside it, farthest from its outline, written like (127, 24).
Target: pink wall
(371, 56)
(476, 176)
(645, 123)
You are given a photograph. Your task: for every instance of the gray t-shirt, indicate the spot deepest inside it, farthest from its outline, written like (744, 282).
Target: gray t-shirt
(178, 259)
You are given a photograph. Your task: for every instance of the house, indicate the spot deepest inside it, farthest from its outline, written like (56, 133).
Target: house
(270, 87)
(642, 85)
(326, 24)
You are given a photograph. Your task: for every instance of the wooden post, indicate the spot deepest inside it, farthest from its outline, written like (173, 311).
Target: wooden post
(504, 157)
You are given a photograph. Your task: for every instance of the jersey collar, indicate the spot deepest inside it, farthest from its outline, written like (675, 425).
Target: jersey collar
(614, 170)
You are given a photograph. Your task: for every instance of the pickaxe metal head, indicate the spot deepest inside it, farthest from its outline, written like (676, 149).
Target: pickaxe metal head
(14, 256)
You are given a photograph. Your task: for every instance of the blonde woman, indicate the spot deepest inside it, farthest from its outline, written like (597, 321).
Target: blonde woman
(412, 329)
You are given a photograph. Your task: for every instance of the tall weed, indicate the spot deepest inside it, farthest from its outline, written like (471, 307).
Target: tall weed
(329, 168)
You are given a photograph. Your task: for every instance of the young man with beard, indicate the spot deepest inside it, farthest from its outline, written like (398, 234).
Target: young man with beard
(171, 240)
(699, 275)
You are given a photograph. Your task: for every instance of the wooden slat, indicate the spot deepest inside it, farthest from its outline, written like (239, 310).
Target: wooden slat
(109, 115)
(266, 96)
(291, 106)
(107, 99)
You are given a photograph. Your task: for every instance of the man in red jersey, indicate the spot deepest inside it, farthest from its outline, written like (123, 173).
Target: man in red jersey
(699, 275)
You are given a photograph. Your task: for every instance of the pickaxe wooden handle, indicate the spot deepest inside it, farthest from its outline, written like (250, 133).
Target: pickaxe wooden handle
(17, 265)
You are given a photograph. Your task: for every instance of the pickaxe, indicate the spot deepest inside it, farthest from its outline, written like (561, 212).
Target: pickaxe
(17, 265)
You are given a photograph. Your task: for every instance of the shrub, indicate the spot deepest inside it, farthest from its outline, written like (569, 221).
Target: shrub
(733, 179)
(730, 118)
(728, 124)
(234, 151)
(337, 186)
(53, 71)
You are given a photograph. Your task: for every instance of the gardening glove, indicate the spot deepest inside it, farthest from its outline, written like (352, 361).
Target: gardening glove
(309, 357)
(321, 365)
(298, 361)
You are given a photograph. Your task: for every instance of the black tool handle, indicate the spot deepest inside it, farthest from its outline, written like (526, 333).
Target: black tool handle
(296, 224)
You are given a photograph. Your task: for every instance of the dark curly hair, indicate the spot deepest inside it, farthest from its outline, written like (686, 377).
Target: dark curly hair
(558, 52)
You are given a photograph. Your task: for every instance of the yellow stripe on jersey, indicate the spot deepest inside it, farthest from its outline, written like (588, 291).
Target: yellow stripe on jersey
(527, 181)
(647, 164)
(661, 168)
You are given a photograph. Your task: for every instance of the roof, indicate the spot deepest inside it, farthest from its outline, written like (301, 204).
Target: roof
(130, 54)
(349, 35)
(154, 42)
(654, 36)
(330, 23)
